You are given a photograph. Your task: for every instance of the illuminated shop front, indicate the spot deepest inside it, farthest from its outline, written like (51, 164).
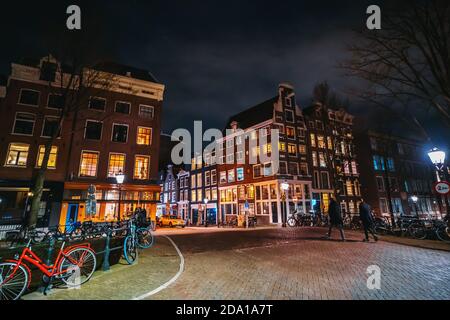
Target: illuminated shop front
(108, 200)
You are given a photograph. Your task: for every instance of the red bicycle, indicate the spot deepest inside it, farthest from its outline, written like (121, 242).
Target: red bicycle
(74, 265)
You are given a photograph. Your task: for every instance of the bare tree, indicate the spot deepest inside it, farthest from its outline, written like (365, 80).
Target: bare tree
(407, 62)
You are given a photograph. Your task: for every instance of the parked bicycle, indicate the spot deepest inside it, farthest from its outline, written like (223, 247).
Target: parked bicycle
(138, 237)
(73, 265)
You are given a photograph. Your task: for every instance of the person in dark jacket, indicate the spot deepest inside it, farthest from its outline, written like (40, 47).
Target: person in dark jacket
(334, 212)
(367, 220)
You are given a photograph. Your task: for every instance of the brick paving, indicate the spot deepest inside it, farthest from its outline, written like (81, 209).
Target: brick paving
(275, 264)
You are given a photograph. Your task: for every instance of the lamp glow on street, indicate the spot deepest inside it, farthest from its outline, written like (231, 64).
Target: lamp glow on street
(120, 177)
(437, 156)
(414, 199)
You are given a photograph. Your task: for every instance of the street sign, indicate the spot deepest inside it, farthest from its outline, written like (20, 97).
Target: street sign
(443, 187)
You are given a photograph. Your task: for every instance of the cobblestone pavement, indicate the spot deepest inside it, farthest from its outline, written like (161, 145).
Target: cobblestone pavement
(298, 264)
(271, 263)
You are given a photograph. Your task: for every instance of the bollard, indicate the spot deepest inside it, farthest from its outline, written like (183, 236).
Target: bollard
(106, 265)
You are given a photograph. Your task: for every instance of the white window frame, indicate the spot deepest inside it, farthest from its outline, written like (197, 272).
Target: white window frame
(109, 160)
(85, 128)
(119, 101)
(14, 125)
(148, 106)
(151, 136)
(48, 100)
(149, 166)
(120, 124)
(7, 153)
(96, 168)
(100, 98)
(29, 105)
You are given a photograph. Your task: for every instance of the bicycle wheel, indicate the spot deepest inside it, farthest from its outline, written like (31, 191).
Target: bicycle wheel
(130, 250)
(80, 260)
(417, 231)
(12, 286)
(292, 222)
(144, 238)
(443, 233)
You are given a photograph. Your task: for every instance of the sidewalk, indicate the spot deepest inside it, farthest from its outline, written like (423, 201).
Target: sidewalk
(155, 266)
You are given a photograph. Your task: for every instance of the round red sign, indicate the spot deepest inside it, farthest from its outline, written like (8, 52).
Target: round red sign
(442, 187)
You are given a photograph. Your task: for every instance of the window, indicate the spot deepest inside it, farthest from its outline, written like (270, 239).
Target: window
(51, 160)
(29, 97)
(349, 187)
(283, 168)
(383, 205)
(317, 179)
(231, 177)
(223, 177)
(207, 178)
(282, 146)
(400, 148)
(199, 180)
(240, 174)
(302, 149)
(50, 127)
(319, 125)
(289, 114)
(378, 163)
(313, 140)
(213, 177)
(373, 143)
(357, 188)
(199, 195)
(55, 101)
(329, 143)
(193, 181)
(325, 180)
(120, 133)
(116, 164)
(88, 164)
(144, 136)
(141, 167)
(290, 133)
(292, 149)
(93, 130)
(300, 133)
(96, 103)
(288, 102)
(146, 112)
(380, 184)
(24, 123)
(390, 164)
(267, 167)
(214, 194)
(303, 169)
(354, 167)
(194, 195)
(17, 155)
(123, 107)
(314, 158)
(321, 142)
(257, 171)
(293, 168)
(322, 162)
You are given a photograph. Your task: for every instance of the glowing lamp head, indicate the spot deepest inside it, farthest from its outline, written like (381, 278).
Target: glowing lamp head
(120, 177)
(285, 186)
(414, 199)
(437, 156)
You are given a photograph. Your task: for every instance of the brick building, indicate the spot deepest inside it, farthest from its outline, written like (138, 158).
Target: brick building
(116, 130)
(393, 170)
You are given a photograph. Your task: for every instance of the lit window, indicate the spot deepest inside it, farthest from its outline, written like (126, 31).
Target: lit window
(231, 177)
(88, 164)
(207, 178)
(141, 167)
(314, 158)
(17, 155)
(199, 195)
(282, 146)
(320, 142)
(52, 158)
(240, 174)
(144, 136)
(354, 167)
(24, 123)
(199, 180)
(120, 133)
(193, 181)
(330, 143)
(313, 140)
(213, 177)
(146, 112)
(194, 195)
(116, 164)
(349, 187)
(322, 160)
(214, 194)
(292, 149)
(302, 149)
(290, 132)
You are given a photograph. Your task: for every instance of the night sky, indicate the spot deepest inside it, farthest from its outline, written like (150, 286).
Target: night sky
(215, 57)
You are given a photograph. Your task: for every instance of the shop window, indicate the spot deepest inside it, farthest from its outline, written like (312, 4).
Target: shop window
(116, 164)
(17, 155)
(141, 167)
(144, 136)
(52, 157)
(24, 123)
(88, 164)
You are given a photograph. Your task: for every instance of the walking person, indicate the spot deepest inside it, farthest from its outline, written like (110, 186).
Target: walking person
(367, 220)
(334, 212)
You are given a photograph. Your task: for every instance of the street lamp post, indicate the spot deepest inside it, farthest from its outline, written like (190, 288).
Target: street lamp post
(25, 210)
(415, 199)
(205, 211)
(437, 158)
(285, 188)
(120, 177)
